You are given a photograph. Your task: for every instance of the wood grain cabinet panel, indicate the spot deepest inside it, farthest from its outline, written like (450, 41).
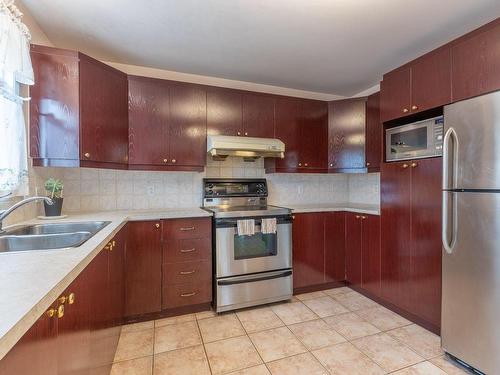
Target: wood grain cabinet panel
(180, 295)
(224, 112)
(143, 259)
(475, 63)
(258, 115)
(189, 228)
(374, 132)
(288, 131)
(313, 142)
(186, 250)
(370, 254)
(335, 247)
(395, 94)
(353, 248)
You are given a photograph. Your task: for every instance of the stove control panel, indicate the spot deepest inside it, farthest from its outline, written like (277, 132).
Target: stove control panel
(232, 187)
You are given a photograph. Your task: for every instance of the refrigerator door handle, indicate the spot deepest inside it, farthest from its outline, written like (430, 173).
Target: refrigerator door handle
(449, 241)
(450, 135)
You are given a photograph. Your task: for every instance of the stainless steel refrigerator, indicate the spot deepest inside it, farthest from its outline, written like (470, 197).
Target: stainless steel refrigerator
(470, 327)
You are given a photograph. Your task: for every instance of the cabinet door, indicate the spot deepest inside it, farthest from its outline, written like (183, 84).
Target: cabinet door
(188, 125)
(314, 134)
(73, 331)
(36, 352)
(475, 64)
(370, 257)
(353, 248)
(374, 129)
(334, 246)
(143, 268)
(224, 112)
(308, 249)
(395, 97)
(258, 116)
(426, 239)
(346, 134)
(116, 280)
(395, 185)
(148, 102)
(103, 113)
(288, 131)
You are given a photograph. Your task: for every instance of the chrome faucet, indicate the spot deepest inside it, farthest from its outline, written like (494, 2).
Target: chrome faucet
(8, 211)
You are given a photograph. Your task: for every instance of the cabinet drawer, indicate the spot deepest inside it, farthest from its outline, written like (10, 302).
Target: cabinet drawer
(179, 229)
(186, 294)
(187, 250)
(187, 272)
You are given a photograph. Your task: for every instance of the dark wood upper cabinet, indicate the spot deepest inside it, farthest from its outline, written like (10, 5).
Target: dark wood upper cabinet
(346, 135)
(143, 259)
(475, 69)
(149, 110)
(335, 246)
(353, 248)
(313, 123)
(188, 125)
(288, 131)
(370, 256)
(78, 111)
(374, 132)
(258, 115)
(224, 112)
(395, 94)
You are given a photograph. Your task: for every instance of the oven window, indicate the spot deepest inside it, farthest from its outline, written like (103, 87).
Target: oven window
(256, 246)
(409, 141)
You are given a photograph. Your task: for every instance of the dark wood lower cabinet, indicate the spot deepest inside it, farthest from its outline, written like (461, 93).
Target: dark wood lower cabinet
(353, 248)
(335, 247)
(370, 254)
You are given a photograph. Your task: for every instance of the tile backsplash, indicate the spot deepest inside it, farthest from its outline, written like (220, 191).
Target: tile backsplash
(88, 189)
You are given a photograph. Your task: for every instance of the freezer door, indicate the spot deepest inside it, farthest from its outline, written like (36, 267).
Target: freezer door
(470, 327)
(471, 148)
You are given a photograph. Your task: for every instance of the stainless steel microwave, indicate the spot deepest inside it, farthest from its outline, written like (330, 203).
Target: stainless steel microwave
(418, 140)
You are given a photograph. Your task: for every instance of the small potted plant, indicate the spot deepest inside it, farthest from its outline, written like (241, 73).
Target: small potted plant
(54, 188)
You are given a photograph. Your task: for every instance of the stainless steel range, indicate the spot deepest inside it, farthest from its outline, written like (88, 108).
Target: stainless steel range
(253, 244)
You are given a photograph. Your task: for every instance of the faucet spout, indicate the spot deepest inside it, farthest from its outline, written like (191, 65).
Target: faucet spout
(8, 211)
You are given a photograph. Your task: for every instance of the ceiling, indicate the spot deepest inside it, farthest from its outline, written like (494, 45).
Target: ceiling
(337, 47)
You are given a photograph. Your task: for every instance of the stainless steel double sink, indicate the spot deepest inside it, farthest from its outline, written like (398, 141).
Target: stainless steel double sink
(49, 236)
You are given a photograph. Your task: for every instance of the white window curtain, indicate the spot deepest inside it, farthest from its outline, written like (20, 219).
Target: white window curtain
(15, 69)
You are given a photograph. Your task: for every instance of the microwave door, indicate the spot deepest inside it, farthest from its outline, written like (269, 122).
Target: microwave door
(408, 142)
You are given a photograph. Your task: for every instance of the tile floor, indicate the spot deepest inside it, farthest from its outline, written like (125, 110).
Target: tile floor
(333, 332)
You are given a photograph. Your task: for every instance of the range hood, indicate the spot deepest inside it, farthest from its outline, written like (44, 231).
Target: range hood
(249, 148)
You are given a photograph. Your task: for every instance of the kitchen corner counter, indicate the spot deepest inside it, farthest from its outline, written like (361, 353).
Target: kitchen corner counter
(369, 209)
(32, 280)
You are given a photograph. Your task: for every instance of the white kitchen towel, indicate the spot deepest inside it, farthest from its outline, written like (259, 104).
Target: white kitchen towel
(268, 226)
(246, 227)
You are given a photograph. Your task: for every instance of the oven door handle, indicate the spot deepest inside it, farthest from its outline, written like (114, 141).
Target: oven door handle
(254, 278)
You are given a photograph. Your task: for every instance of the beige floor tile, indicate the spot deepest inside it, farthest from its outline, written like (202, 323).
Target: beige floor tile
(297, 365)
(176, 336)
(382, 318)
(325, 306)
(259, 319)
(311, 295)
(134, 327)
(276, 343)
(346, 359)
(336, 291)
(232, 354)
(255, 370)
(295, 312)
(351, 326)
(449, 366)
(138, 366)
(422, 368)
(205, 314)
(355, 301)
(187, 361)
(175, 320)
(316, 334)
(387, 352)
(134, 345)
(220, 327)
(424, 342)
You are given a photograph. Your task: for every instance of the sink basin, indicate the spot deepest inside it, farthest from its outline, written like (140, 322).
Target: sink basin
(43, 241)
(54, 228)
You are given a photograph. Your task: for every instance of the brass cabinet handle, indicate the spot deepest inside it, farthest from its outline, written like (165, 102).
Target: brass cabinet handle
(71, 298)
(293, 217)
(51, 312)
(414, 107)
(188, 250)
(60, 311)
(405, 110)
(174, 161)
(363, 217)
(188, 294)
(413, 165)
(165, 160)
(239, 133)
(368, 164)
(187, 272)
(405, 165)
(110, 246)
(300, 164)
(357, 216)
(305, 164)
(157, 225)
(185, 229)
(331, 164)
(87, 155)
(246, 133)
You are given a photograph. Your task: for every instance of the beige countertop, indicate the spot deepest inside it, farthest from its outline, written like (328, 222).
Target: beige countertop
(370, 209)
(31, 280)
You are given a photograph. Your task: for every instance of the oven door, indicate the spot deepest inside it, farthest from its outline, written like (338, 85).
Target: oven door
(240, 255)
(410, 141)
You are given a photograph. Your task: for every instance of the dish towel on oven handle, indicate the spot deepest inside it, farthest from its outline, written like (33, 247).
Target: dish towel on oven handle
(268, 226)
(246, 227)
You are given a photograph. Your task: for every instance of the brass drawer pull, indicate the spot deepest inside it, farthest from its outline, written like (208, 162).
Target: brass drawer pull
(187, 272)
(185, 229)
(60, 311)
(188, 250)
(188, 294)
